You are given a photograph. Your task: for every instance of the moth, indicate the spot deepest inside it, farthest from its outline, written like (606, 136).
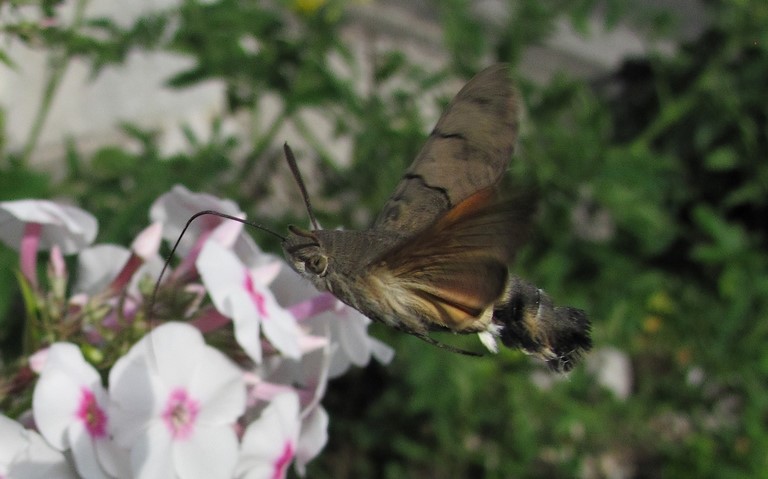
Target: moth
(437, 256)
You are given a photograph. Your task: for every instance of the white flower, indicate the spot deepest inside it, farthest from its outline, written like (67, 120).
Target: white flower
(70, 409)
(310, 378)
(110, 275)
(613, 370)
(175, 404)
(175, 208)
(146, 245)
(270, 443)
(24, 454)
(313, 437)
(104, 266)
(98, 265)
(33, 225)
(242, 295)
(348, 327)
(66, 226)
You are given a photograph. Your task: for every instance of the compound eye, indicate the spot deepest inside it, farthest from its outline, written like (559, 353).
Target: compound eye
(317, 265)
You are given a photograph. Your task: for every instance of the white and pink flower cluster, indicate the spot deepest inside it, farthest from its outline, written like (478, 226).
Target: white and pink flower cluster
(173, 406)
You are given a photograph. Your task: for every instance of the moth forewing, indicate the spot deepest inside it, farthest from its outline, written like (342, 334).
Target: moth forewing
(468, 150)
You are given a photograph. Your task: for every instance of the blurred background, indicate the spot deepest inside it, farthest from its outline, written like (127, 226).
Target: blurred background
(645, 131)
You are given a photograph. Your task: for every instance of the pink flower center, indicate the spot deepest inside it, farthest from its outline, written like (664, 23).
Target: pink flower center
(256, 297)
(180, 414)
(282, 462)
(91, 414)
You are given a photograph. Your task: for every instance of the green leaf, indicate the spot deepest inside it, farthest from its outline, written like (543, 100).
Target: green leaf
(724, 158)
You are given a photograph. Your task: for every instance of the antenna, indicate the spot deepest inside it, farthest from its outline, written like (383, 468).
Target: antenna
(297, 176)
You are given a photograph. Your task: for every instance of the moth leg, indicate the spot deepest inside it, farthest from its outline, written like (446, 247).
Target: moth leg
(429, 339)
(447, 347)
(557, 335)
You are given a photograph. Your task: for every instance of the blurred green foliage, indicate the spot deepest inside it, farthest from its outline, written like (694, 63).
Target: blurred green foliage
(654, 199)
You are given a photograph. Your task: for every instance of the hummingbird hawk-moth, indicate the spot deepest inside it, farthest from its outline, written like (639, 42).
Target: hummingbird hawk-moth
(437, 256)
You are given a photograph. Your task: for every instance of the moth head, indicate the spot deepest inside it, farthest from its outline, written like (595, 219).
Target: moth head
(305, 253)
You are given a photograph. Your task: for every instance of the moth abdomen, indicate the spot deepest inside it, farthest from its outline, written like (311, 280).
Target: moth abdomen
(557, 335)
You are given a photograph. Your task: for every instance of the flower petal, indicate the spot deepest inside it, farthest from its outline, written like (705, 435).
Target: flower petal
(176, 348)
(13, 441)
(227, 232)
(349, 329)
(219, 386)
(210, 453)
(175, 208)
(381, 351)
(280, 327)
(314, 436)
(246, 324)
(221, 273)
(310, 374)
(54, 403)
(267, 272)
(147, 243)
(67, 358)
(265, 439)
(151, 454)
(84, 453)
(39, 460)
(58, 394)
(98, 265)
(135, 392)
(68, 227)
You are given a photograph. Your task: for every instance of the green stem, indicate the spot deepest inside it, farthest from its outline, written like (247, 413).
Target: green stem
(57, 67)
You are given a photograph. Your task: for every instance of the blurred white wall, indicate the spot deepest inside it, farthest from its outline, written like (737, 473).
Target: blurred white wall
(90, 109)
